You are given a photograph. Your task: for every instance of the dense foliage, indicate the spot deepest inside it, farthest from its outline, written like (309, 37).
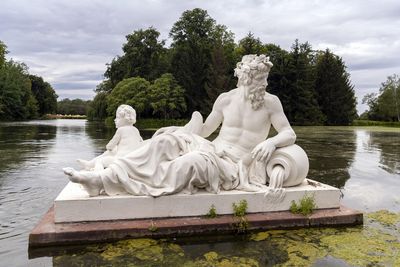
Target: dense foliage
(44, 94)
(73, 107)
(385, 105)
(23, 96)
(313, 86)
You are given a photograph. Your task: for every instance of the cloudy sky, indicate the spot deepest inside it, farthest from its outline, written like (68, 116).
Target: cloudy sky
(68, 42)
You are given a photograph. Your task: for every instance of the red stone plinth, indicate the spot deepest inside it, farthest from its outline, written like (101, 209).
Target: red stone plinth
(48, 233)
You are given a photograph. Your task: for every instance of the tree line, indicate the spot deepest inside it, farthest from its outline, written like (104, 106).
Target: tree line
(22, 95)
(384, 105)
(172, 82)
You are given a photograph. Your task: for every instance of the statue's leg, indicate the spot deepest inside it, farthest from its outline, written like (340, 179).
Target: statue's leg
(195, 170)
(90, 180)
(86, 164)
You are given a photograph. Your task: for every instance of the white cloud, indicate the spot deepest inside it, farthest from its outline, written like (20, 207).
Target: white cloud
(71, 41)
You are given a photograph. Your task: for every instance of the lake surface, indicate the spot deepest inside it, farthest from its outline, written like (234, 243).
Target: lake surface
(363, 162)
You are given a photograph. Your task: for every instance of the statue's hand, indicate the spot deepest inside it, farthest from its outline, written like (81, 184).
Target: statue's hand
(263, 151)
(109, 147)
(163, 130)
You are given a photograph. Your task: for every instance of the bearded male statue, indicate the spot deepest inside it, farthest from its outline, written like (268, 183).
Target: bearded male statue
(180, 159)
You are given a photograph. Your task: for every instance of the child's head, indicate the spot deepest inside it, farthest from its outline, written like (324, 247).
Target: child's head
(125, 115)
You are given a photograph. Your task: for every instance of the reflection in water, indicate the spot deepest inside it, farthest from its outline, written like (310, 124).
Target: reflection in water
(389, 146)
(330, 151)
(375, 172)
(21, 142)
(32, 155)
(363, 162)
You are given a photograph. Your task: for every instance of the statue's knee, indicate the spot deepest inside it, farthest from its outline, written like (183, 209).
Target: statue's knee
(161, 141)
(194, 157)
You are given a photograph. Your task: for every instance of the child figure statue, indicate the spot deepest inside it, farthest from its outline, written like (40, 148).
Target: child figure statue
(126, 139)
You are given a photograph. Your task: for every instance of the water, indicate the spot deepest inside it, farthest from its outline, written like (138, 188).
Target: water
(363, 162)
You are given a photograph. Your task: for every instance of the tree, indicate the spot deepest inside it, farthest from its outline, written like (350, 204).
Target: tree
(167, 97)
(220, 76)
(299, 97)
(144, 56)
(44, 94)
(131, 91)
(335, 92)
(73, 107)
(249, 45)
(278, 78)
(385, 105)
(192, 37)
(97, 109)
(16, 99)
(3, 52)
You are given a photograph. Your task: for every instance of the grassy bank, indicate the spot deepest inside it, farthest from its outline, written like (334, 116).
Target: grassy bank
(158, 123)
(376, 123)
(62, 116)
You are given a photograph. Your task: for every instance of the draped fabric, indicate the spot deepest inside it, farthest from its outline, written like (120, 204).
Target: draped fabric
(185, 162)
(175, 162)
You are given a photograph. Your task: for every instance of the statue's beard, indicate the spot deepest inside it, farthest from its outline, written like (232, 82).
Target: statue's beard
(256, 96)
(253, 91)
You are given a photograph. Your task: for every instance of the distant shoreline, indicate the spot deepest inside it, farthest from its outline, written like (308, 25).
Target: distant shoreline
(63, 116)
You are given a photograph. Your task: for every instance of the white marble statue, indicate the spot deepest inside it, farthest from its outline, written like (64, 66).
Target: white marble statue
(180, 159)
(125, 140)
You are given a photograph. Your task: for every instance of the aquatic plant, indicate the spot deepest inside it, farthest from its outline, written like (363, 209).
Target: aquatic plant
(239, 213)
(376, 243)
(385, 217)
(239, 210)
(212, 213)
(305, 206)
(152, 227)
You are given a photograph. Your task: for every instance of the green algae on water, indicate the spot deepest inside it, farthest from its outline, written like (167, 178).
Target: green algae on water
(377, 243)
(385, 217)
(259, 236)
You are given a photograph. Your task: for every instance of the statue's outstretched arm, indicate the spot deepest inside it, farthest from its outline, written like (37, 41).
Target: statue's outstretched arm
(216, 116)
(114, 141)
(286, 135)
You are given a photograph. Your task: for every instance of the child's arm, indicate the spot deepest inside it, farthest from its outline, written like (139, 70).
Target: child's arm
(114, 141)
(139, 137)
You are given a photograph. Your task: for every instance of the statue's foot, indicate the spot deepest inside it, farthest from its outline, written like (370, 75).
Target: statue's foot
(195, 124)
(91, 181)
(85, 164)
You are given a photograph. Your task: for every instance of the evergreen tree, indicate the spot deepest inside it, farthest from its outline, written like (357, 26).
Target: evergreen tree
(335, 92)
(299, 99)
(249, 45)
(278, 78)
(220, 76)
(192, 37)
(3, 52)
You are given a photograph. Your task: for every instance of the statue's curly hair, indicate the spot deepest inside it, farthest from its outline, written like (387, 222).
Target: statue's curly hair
(127, 112)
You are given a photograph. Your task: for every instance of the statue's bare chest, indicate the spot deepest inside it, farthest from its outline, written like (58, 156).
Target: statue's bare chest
(240, 114)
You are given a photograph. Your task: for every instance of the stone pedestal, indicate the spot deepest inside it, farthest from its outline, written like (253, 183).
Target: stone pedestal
(74, 205)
